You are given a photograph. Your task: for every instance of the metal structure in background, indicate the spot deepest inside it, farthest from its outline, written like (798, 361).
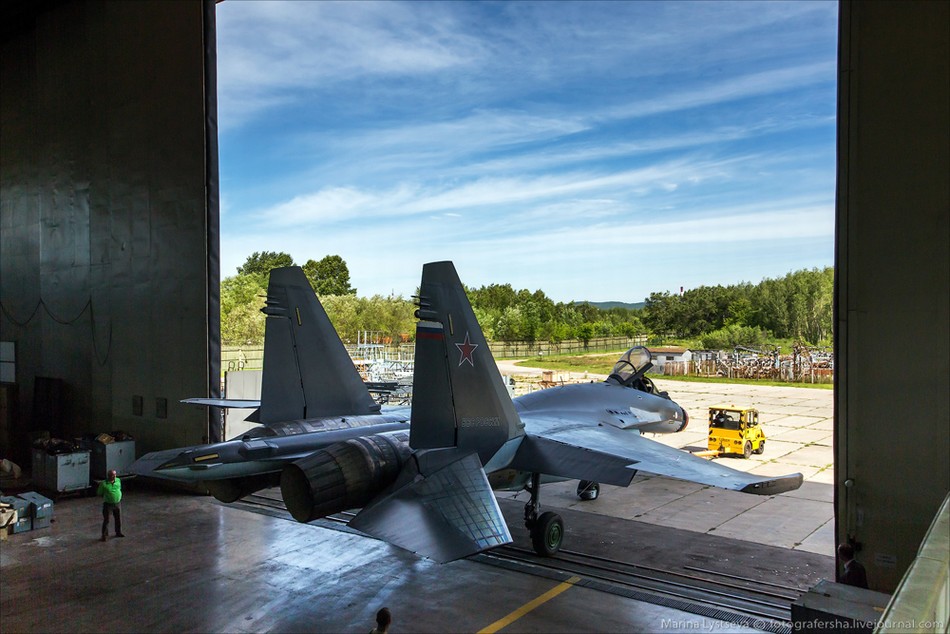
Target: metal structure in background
(806, 364)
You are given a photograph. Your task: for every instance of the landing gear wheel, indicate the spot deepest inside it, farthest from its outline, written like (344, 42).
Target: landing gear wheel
(547, 534)
(747, 449)
(588, 490)
(761, 449)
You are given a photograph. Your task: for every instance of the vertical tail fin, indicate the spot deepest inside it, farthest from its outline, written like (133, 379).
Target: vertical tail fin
(307, 371)
(458, 395)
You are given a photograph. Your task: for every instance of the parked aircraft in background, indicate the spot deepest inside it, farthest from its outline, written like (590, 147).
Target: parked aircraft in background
(432, 492)
(311, 397)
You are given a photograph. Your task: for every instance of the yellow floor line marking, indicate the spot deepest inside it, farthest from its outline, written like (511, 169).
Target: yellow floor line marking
(530, 605)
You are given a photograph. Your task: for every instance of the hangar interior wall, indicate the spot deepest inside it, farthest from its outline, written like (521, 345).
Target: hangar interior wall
(104, 253)
(893, 266)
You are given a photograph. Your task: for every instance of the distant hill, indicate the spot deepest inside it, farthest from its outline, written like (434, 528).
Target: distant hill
(609, 305)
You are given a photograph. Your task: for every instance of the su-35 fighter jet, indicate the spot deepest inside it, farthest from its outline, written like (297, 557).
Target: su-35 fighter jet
(311, 397)
(431, 492)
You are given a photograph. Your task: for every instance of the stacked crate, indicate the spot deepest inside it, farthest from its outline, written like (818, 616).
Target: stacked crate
(41, 509)
(24, 521)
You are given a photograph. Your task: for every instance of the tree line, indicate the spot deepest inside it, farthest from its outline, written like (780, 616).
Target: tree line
(242, 297)
(796, 306)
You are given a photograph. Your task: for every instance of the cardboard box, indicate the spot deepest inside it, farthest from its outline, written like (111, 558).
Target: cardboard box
(8, 517)
(21, 508)
(41, 509)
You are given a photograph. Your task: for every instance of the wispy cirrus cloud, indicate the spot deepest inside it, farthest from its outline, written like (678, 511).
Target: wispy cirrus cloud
(525, 137)
(333, 204)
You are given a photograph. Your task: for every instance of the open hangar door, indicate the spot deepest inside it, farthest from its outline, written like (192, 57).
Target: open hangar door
(108, 252)
(892, 262)
(108, 220)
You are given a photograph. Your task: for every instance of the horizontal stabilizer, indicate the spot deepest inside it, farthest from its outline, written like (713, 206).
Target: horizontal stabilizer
(446, 515)
(647, 455)
(227, 403)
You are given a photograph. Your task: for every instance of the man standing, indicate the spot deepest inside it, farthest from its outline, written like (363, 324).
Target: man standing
(111, 492)
(383, 620)
(854, 572)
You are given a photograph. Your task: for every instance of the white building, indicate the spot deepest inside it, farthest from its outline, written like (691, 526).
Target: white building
(664, 354)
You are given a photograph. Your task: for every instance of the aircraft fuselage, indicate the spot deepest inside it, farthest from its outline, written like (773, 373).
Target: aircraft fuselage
(266, 451)
(584, 404)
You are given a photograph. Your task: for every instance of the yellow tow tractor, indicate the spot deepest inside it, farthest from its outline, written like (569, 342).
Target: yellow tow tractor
(735, 430)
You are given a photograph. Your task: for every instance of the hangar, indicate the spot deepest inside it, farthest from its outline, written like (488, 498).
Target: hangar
(109, 254)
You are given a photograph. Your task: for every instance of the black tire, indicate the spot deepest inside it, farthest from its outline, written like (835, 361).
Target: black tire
(747, 449)
(547, 534)
(761, 449)
(588, 490)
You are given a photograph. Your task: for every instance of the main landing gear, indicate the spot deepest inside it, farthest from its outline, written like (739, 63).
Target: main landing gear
(547, 529)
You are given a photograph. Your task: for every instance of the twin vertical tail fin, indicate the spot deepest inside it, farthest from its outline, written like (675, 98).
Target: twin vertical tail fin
(461, 417)
(307, 371)
(459, 398)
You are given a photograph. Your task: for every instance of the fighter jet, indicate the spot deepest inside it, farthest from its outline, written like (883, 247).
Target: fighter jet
(432, 494)
(311, 397)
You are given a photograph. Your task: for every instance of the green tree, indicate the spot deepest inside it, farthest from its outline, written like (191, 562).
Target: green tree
(329, 276)
(242, 297)
(344, 313)
(509, 324)
(264, 261)
(732, 336)
(660, 312)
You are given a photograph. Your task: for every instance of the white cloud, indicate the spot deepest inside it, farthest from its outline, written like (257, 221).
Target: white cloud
(566, 146)
(332, 204)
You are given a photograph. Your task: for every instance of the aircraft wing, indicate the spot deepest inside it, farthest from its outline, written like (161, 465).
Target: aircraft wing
(596, 453)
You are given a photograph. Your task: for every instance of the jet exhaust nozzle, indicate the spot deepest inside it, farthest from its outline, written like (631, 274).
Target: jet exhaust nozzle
(342, 476)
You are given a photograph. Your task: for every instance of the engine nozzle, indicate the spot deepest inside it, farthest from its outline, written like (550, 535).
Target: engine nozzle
(342, 476)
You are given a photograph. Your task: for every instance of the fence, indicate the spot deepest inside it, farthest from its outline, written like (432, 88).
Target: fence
(521, 349)
(251, 357)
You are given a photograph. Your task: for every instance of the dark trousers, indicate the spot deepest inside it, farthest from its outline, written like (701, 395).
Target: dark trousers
(116, 511)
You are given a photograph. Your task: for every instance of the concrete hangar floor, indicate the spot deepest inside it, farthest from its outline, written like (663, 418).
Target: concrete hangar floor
(658, 556)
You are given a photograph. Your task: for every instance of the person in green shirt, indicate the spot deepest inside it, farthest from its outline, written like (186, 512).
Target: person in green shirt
(111, 492)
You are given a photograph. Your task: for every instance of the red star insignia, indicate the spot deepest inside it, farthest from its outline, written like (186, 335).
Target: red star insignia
(465, 351)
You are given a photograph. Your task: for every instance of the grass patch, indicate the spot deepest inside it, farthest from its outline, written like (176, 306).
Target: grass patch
(600, 363)
(722, 379)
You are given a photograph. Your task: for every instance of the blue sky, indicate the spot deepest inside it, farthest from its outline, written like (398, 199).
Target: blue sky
(595, 151)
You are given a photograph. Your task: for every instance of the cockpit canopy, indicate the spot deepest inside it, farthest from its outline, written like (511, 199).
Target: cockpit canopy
(631, 365)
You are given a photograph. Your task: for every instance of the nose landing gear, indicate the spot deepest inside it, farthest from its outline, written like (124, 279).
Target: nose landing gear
(588, 490)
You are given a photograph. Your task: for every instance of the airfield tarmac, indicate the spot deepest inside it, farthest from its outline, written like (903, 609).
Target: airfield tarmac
(798, 424)
(191, 564)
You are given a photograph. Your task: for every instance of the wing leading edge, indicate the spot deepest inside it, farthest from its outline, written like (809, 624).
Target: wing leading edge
(576, 450)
